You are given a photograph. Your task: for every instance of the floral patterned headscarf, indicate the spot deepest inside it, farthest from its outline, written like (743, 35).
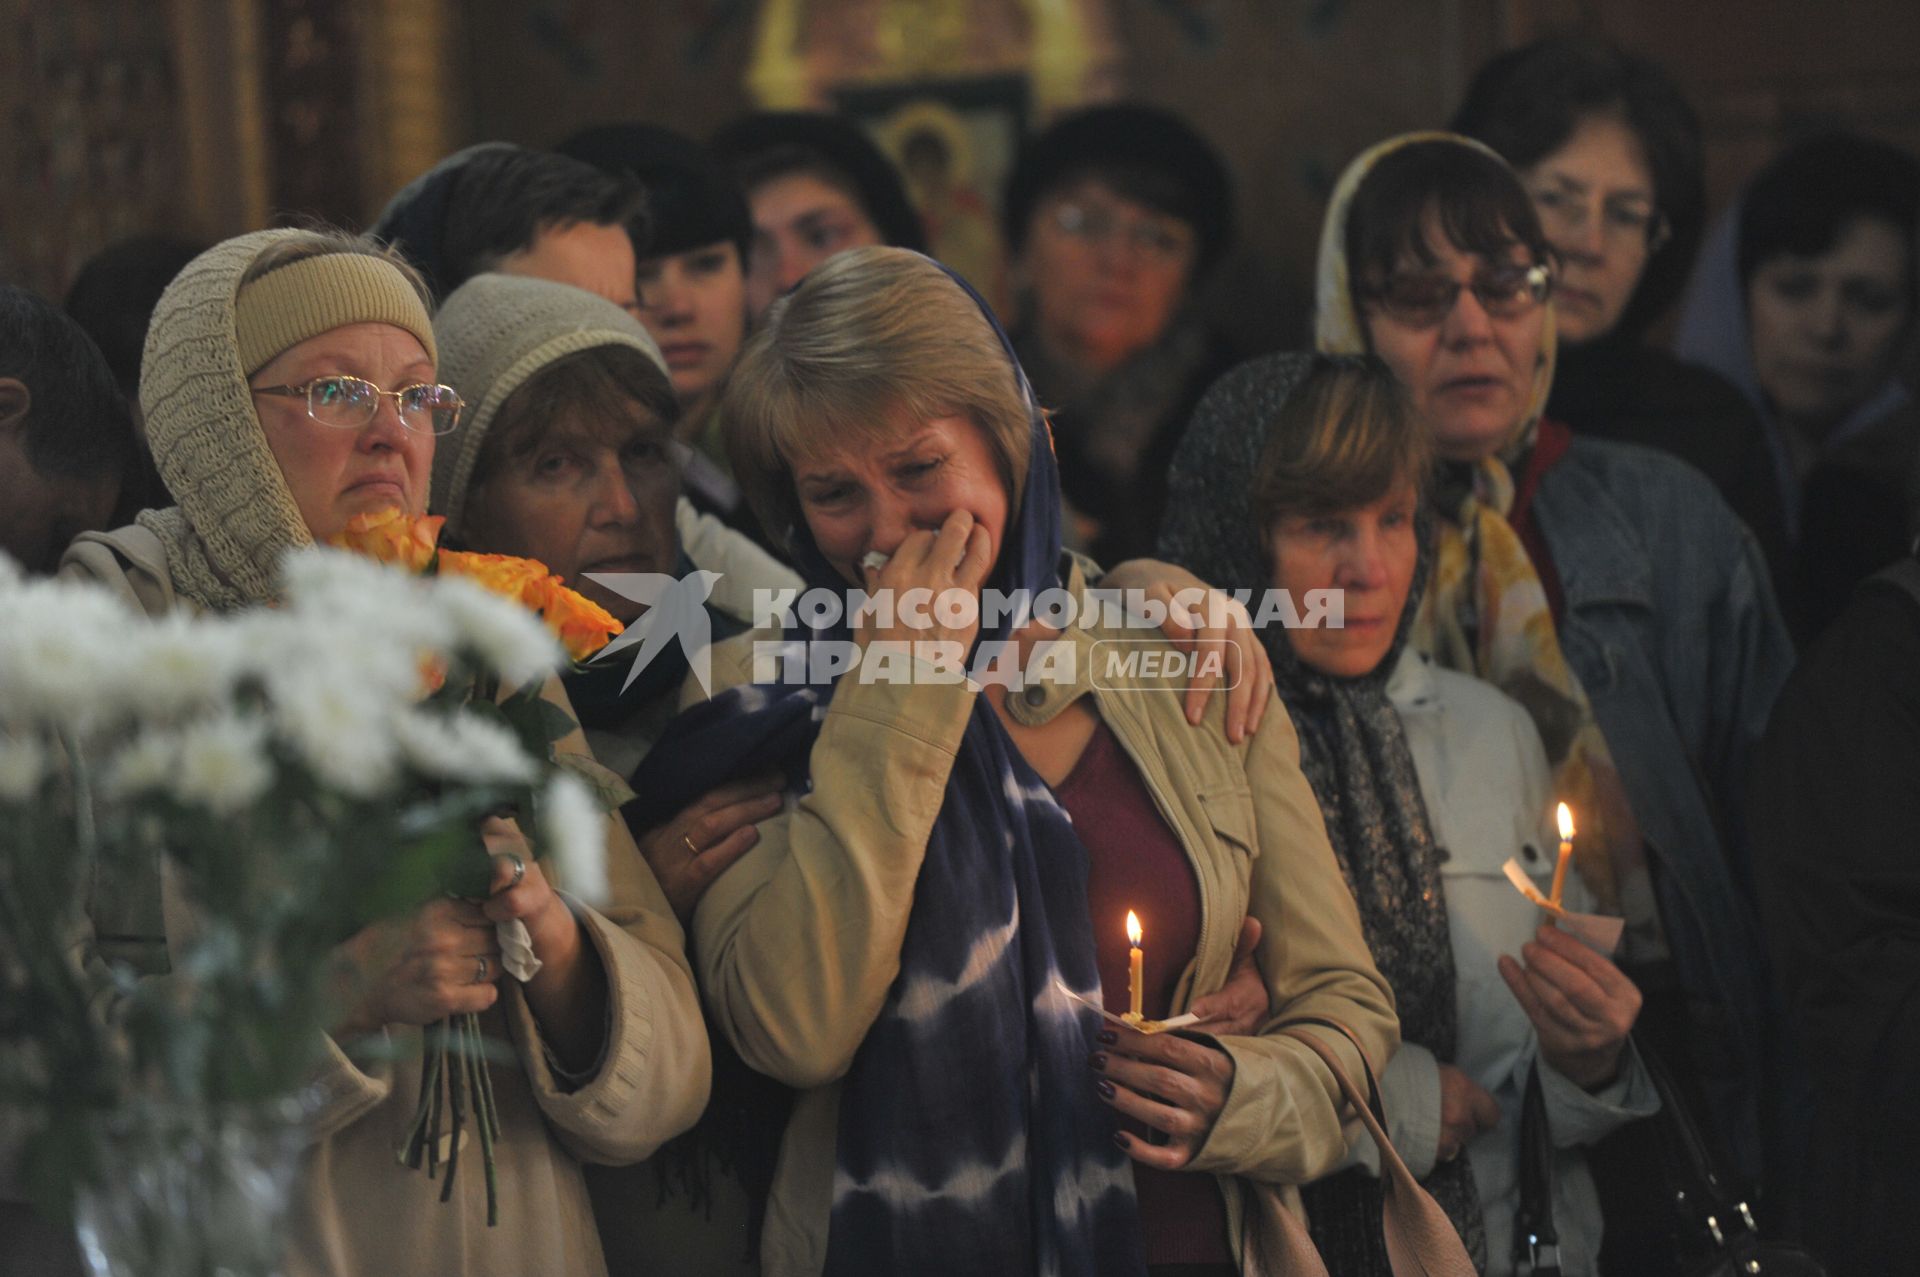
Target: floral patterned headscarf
(1486, 611)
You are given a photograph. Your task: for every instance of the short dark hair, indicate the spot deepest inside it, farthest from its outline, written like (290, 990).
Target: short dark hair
(691, 197)
(766, 145)
(78, 425)
(595, 385)
(1807, 196)
(1481, 204)
(1142, 153)
(504, 197)
(113, 296)
(1527, 102)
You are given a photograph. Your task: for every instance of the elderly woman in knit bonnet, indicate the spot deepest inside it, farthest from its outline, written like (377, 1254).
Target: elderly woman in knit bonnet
(568, 457)
(289, 385)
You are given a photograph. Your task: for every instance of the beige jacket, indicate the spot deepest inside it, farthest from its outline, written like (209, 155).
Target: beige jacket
(356, 1210)
(798, 943)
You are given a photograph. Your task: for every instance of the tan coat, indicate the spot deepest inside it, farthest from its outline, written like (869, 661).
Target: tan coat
(356, 1210)
(798, 943)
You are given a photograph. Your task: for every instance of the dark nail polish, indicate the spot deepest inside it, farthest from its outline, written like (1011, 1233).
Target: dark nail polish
(1109, 1037)
(1120, 1138)
(1105, 1087)
(1099, 1061)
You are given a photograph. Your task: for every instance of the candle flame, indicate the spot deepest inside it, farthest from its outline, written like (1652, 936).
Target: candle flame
(1133, 929)
(1566, 823)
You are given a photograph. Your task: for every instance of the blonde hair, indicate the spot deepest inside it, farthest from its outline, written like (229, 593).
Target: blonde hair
(1343, 439)
(872, 333)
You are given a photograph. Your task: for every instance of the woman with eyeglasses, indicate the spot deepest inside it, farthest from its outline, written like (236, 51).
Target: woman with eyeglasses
(1611, 153)
(290, 383)
(1113, 216)
(1607, 588)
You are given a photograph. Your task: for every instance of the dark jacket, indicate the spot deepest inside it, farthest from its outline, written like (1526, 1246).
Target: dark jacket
(1672, 629)
(1835, 815)
(1620, 389)
(1126, 501)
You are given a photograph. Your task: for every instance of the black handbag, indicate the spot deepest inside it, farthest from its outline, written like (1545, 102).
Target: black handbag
(1714, 1215)
(1717, 1226)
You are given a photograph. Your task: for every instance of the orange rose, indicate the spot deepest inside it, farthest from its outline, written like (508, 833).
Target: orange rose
(584, 626)
(391, 536)
(515, 578)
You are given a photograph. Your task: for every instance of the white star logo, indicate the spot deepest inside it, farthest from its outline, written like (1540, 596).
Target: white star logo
(676, 609)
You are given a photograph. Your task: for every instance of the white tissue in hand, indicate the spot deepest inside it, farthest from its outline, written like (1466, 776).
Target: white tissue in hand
(516, 950)
(875, 560)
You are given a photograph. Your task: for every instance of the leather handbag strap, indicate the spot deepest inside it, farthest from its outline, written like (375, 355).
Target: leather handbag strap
(1710, 1203)
(1536, 1241)
(1421, 1241)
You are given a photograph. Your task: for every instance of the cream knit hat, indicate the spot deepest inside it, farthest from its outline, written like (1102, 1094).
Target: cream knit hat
(236, 517)
(497, 332)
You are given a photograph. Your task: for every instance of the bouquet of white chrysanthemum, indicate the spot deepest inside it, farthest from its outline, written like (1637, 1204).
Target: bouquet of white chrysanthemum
(296, 773)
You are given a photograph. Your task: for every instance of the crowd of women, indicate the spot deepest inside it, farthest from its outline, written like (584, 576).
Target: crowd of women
(835, 1018)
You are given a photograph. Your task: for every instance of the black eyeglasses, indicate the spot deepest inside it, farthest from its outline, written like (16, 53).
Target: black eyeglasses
(1422, 301)
(349, 403)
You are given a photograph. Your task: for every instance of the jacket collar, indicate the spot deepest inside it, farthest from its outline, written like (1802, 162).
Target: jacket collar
(1596, 550)
(1412, 683)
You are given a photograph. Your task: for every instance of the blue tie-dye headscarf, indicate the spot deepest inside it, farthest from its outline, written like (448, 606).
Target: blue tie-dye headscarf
(970, 1140)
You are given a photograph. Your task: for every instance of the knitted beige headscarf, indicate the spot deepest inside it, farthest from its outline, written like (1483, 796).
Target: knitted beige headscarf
(236, 518)
(498, 332)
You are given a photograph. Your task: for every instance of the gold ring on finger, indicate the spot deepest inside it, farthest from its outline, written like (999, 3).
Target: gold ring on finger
(479, 969)
(688, 839)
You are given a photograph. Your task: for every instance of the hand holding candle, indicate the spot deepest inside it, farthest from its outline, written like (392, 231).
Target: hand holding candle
(1566, 854)
(1134, 968)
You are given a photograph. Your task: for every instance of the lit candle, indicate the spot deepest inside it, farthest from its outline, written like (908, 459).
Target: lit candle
(1134, 967)
(1566, 853)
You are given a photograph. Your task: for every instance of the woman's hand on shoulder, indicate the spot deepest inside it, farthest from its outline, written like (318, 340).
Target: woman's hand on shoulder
(1581, 1005)
(1202, 619)
(701, 842)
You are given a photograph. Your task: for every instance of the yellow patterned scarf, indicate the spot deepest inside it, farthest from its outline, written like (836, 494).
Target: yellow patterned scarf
(1486, 612)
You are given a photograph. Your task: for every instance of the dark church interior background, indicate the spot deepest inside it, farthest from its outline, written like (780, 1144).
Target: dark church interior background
(210, 117)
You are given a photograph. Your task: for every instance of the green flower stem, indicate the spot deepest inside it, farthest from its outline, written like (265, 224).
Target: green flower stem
(456, 1107)
(429, 1081)
(485, 1119)
(438, 1100)
(486, 1082)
